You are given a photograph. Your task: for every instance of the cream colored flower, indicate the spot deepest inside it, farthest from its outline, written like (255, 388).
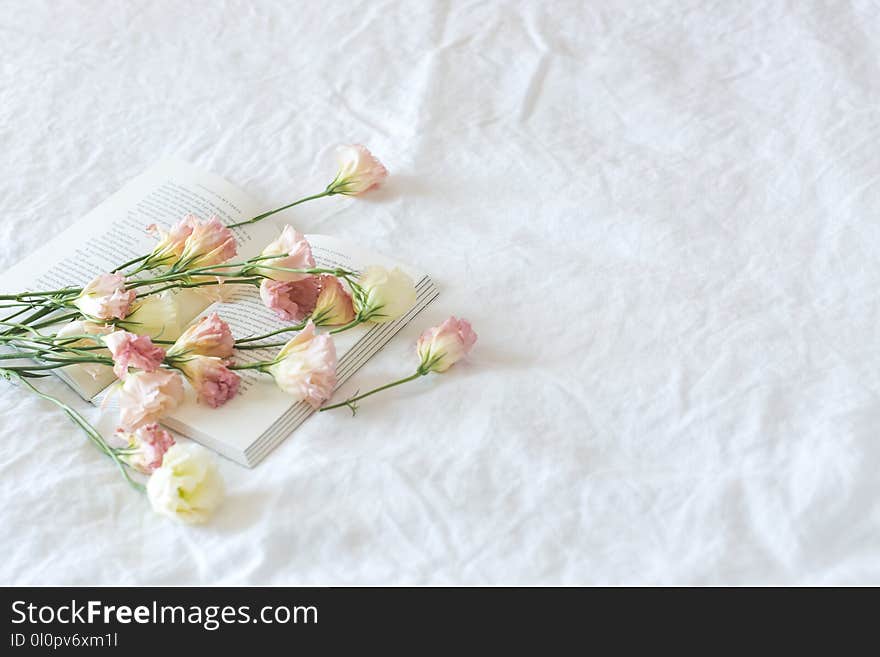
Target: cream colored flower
(187, 486)
(386, 294)
(155, 316)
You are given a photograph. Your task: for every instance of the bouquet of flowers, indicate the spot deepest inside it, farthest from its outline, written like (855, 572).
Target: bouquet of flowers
(116, 321)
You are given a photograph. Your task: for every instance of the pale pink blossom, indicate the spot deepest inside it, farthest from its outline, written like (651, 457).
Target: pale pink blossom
(334, 306)
(146, 397)
(210, 336)
(213, 381)
(307, 367)
(105, 297)
(144, 447)
(359, 171)
(442, 346)
(293, 251)
(130, 350)
(210, 243)
(172, 241)
(292, 301)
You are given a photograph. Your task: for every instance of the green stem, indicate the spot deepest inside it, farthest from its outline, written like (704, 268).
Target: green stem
(286, 329)
(83, 424)
(260, 217)
(339, 329)
(270, 345)
(172, 286)
(130, 263)
(48, 293)
(350, 402)
(259, 365)
(55, 320)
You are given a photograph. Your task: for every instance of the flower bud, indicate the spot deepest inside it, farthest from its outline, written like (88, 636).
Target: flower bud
(441, 347)
(387, 295)
(359, 171)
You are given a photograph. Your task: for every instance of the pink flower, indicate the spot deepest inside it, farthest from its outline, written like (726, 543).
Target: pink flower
(294, 252)
(143, 448)
(214, 383)
(307, 367)
(358, 171)
(130, 350)
(290, 301)
(334, 306)
(171, 242)
(442, 346)
(145, 397)
(210, 336)
(105, 297)
(210, 243)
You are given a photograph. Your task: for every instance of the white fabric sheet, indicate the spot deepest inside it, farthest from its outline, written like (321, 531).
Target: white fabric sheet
(661, 218)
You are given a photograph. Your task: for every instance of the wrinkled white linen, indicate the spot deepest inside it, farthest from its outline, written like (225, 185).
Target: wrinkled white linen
(660, 217)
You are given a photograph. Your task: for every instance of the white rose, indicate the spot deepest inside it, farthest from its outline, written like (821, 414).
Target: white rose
(187, 486)
(388, 294)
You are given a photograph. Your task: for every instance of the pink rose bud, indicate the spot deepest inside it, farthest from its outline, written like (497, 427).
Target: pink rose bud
(358, 171)
(214, 383)
(442, 346)
(307, 367)
(146, 397)
(143, 448)
(210, 336)
(291, 301)
(293, 251)
(334, 306)
(210, 243)
(171, 242)
(130, 350)
(105, 297)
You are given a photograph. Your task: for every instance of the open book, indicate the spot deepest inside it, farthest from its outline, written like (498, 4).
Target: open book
(248, 427)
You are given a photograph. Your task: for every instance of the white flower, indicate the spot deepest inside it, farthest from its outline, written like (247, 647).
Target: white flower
(187, 486)
(155, 316)
(387, 294)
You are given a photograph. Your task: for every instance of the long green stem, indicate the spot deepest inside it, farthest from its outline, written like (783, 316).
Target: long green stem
(130, 263)
(83, 424)
(286, 329)
(259, 365)
(345, 327)
(48, 293)
(260, 217)
(350, 403)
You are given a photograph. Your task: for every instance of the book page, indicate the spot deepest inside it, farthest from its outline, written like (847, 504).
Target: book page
(115, 232)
